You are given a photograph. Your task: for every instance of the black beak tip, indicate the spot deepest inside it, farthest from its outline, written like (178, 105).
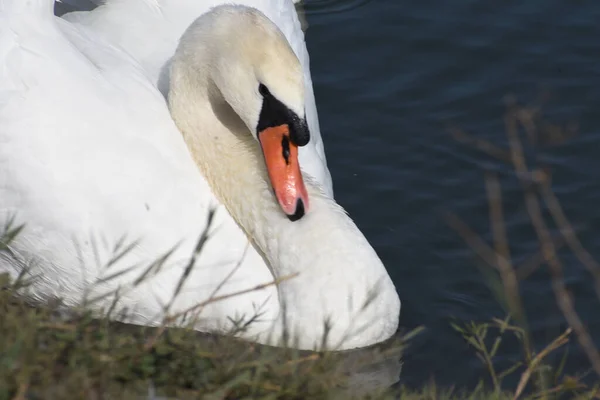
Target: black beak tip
(299, 211)
(299, 133)
(301, 139)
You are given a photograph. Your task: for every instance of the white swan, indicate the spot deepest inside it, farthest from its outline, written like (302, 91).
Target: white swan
(149, 30)
(89, 153)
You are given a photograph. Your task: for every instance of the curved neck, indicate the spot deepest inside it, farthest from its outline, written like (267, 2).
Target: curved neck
(339, 273)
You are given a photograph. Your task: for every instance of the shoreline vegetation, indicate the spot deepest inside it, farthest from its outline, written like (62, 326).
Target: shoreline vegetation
(47, 353)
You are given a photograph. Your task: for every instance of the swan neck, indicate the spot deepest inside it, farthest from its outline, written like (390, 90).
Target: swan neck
(337, 271)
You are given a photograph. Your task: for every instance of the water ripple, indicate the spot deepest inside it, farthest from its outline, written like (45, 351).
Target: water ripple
(390, 78)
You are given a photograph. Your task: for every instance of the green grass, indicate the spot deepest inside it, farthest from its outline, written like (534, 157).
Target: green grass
(47, 356)
(44, 354)
(47, 353)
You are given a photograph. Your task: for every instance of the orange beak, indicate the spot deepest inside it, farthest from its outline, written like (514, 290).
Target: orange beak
(281, 158)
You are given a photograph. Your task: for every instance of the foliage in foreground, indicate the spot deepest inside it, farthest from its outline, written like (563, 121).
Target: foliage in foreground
(528, 136)
(45, 355)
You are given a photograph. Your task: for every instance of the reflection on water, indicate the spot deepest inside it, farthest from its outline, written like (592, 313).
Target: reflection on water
(371, 370)
(357, 373)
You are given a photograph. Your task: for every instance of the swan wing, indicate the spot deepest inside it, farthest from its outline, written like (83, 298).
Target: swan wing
(92, 164)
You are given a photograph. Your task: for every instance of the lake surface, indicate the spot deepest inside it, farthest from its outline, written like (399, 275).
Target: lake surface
(390, 76)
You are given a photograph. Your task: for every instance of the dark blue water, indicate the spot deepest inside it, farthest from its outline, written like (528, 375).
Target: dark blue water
(390, 77)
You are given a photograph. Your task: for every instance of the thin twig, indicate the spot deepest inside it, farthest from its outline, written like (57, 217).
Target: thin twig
(563, 298)
(482, 145)
(556, 343)
(227, 278)
(202, 304)
(570, 236)
(204, 236)
(503, 263)
(473, 240)
(230, 295)
(533, 262)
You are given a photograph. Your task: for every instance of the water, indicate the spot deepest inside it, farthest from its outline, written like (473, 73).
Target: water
(390, 76)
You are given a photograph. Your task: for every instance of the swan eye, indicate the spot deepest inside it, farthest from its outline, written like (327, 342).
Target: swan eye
(262, 89)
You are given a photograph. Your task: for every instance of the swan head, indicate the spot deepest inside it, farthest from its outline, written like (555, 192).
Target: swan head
(245, 66)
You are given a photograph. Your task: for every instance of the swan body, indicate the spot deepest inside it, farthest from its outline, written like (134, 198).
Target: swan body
(91, 173)
(93, 165)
